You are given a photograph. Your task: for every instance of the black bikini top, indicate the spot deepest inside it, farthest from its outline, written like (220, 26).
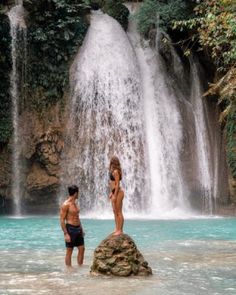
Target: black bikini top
(112, 178)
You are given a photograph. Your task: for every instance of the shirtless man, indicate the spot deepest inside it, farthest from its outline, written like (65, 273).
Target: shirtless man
(71, 226)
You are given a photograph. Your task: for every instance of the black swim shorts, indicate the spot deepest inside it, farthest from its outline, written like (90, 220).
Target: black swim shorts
(76, 236)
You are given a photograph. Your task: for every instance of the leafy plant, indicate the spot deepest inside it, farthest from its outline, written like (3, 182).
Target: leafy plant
(225, 90)
(56, 29)
(153, 13)
(231, 140)
(214, 27)
(5, 67)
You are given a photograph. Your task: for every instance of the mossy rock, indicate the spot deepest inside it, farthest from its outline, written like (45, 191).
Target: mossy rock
(119, 256)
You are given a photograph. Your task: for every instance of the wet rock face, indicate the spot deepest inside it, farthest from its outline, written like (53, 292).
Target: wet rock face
(40, 150)
(5, 171)
(48, 152)
(119, 256)
(38, 180)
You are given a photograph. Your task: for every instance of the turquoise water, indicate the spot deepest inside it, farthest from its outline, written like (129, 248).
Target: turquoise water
(195, 256)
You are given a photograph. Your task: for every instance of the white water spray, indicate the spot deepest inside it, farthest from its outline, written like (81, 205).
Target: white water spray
(106, 117)
(18, 32)
(204, 149)
(124, 102)
(163, 132)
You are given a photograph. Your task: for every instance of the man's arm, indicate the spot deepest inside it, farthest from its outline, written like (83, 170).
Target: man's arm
(63, 213)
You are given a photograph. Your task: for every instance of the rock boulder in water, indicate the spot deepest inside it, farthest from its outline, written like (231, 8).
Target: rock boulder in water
(119, 256)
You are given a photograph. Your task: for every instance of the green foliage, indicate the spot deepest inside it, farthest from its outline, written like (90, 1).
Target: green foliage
(231, 140)
(214, 26)
(117, 10)
(55, 31)
(155, 13)
(5, 66)
(97, 4)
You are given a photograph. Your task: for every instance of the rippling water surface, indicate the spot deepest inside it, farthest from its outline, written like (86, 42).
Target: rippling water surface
(195, 256)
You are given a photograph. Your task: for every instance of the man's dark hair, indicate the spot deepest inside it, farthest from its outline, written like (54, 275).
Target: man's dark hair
(73, 189)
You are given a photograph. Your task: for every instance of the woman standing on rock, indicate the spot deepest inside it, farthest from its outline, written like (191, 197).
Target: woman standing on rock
(117, 194)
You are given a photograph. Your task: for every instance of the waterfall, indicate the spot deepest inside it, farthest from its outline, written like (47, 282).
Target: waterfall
(205, 151)
(164, 132)
(18, 54)
(105, 118)
(127, 100)
(182, 134)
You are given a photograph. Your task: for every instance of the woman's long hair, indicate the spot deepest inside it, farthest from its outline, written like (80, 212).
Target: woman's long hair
(115, 165)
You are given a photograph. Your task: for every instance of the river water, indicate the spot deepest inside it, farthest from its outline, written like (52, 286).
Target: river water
(193, 256)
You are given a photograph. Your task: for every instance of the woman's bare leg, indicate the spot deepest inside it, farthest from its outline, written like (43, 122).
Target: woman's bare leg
(119, 214)
(113, 202)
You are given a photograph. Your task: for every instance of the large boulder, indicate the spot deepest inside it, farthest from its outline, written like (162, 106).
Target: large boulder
(119, 256)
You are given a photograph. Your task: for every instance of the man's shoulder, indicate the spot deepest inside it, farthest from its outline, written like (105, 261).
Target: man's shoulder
(65, 204)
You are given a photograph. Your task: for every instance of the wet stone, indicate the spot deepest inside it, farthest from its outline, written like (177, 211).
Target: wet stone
(124, 259)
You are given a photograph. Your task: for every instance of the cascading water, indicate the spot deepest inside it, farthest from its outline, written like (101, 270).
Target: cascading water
(106, 117)
(126, 101)
(18, 44)
(207, 173)
(163, 131)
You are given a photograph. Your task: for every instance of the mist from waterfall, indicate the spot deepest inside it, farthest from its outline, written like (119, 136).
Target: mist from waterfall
(17, 77)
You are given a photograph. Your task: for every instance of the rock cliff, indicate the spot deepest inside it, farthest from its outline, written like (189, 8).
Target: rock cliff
(40, 152)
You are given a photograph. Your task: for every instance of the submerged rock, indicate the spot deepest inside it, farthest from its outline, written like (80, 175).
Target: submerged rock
(119, 256)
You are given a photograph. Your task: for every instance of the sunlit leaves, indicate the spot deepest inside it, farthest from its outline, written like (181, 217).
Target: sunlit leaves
(215, 28)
